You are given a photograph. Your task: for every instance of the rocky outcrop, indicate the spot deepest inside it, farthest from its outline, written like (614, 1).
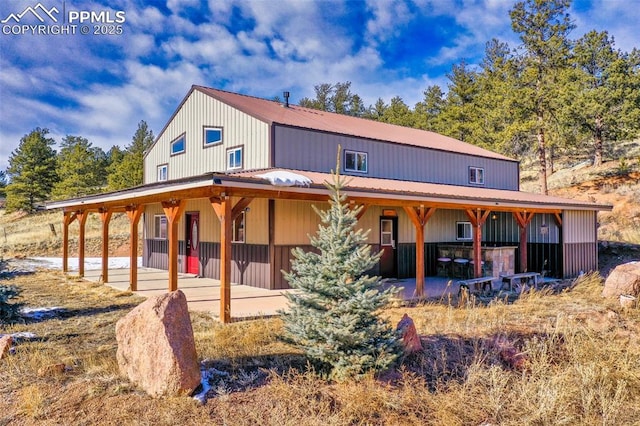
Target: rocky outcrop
(410, 339)
(624, 279)
(156, 348)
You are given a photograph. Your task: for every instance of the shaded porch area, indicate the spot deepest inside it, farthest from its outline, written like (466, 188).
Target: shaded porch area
(203, 294)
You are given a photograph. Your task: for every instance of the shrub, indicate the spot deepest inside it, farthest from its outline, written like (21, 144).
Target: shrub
(9, 312)
(332, 317)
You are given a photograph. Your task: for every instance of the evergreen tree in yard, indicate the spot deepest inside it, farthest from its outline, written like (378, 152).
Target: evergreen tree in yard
(3, 184)
(82, 169)
(332, 317)
(32, 169)
(127, 172)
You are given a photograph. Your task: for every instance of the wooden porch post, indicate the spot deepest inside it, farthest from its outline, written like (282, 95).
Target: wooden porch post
(133, 213)
(523, 220)
(66, 221)
(419, 216)
(82, 220)
(105, 216)
(173, 210)
(478, 218)
(222, 207)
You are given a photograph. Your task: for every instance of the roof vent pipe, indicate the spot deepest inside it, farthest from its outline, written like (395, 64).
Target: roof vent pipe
(286, 99)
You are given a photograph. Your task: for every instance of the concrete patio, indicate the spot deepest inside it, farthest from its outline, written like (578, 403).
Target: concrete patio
(203, 294)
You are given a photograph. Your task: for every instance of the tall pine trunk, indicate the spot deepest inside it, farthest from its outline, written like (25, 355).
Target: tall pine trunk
(597, 133)
(542, 155)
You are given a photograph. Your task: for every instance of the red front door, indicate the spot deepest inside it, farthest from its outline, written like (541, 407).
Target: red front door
(193, 243)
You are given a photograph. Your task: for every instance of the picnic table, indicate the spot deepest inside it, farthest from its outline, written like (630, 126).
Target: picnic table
(479, 285)
(522, 279)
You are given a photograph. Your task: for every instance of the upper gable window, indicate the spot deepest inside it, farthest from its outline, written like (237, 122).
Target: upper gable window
(234, 158)
(476, 175)
(178, 146)
(355, 161)
(162, 172)
(212, 136)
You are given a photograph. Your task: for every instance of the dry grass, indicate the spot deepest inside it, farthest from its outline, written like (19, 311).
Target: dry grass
(584, 356)
(32, 235)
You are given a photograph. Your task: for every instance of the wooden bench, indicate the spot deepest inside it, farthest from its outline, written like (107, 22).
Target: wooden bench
(479, 285)
(521, 280)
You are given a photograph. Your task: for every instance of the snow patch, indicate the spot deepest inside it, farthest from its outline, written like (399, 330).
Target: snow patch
(90, 263)
(284, 178)
(40, 313)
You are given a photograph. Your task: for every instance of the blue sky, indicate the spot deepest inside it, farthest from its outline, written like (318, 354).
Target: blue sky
(101, 86)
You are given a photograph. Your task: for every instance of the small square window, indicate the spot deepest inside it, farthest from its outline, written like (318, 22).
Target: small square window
(476, 175)
(234, 158)
(355, 161)
(238, 228)
(178, 146)
(160, 227)
(212, 136)
(464, 231)
(162, 172)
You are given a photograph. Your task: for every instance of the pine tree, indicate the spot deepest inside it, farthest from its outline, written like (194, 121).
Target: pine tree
(128, 172)
(81, 168)
(332, 317)
(32, 169)
(3, 184)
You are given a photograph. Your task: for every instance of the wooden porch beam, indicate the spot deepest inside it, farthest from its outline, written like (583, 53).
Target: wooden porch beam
(558, 218)
(67, 218)
(222, 207)
(419, 217)
(523, 219)
(242, 204)
(173, 210)
(477, 217)
(82, 220)
(105, 217)
(134, 213)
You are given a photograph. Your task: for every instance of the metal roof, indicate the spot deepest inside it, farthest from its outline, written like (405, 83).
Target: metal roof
(273, 112)
(385, 190)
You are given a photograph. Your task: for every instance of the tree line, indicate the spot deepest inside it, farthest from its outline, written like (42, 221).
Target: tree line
(547, 96)
(38, 173)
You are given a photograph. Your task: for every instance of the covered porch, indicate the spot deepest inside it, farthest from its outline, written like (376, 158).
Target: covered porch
(228, 195)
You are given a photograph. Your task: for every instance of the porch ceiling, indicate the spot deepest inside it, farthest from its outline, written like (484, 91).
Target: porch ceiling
(359, 189)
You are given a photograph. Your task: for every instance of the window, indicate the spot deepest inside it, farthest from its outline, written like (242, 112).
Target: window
(160, 227)
(476, 175)
(238, 228)
(178, 145)
(464, 231)
(162, 172)
(234, 158)
(212, 136)
(355, 161)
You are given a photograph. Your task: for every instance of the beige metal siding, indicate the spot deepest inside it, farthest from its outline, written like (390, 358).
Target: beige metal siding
(579, 226)
(316, 151)
(239, 129)
(442, 226)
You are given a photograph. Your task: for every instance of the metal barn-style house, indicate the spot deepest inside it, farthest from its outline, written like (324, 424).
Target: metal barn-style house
(230, 182)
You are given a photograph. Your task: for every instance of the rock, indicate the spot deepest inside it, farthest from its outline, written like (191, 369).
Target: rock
(627, 301)
(410, 339)
(510, 355)
(52, 370)
(156, 348)
(5, 345)
(624, 279)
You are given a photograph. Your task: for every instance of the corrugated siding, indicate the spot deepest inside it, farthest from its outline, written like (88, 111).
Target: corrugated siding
(442, 226)
(579, 226)
(316, 151)
(201, 110)
(249, 263)
(579, 258)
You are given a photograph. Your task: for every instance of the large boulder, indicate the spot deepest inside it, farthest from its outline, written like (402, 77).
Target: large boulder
(5, 345)
(624, 279)
(409, 336)
(156, 348)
